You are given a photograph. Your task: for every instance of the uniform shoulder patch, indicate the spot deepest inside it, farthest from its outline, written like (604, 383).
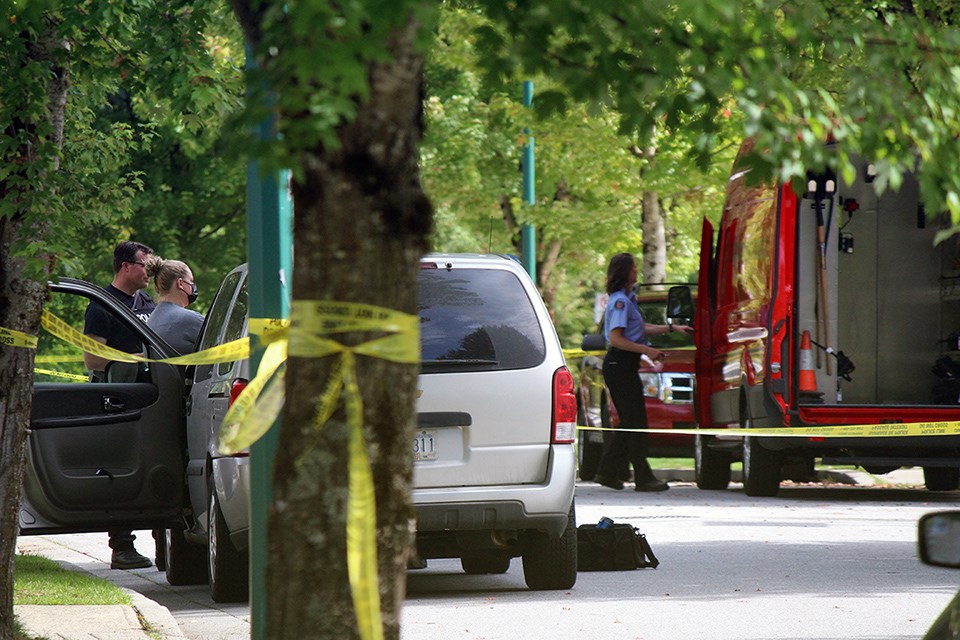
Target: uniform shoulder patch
(619, 305)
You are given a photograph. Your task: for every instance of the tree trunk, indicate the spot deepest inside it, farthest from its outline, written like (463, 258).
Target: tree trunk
(360, 225)
(21, 297)
(19, 310)
(654, 240)
(545, 269)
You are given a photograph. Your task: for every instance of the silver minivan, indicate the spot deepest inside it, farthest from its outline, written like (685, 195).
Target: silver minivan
(494, 464)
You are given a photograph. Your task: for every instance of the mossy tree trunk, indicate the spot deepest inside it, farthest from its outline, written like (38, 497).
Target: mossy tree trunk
(361, 221)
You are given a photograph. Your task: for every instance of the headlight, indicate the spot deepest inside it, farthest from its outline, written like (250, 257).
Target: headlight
(651, 384)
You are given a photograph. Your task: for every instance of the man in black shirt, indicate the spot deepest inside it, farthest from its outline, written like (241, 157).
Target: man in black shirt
(130, 277)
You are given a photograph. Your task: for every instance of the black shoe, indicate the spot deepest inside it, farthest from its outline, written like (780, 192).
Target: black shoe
(129, 559)
(607, 481)
(651, 485)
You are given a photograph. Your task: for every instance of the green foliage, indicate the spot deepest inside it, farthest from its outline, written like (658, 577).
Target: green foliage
(589, 176)
(879, 78)
(146, 153)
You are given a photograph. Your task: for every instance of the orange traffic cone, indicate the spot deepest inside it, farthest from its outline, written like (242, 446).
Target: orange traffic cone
(808, 378)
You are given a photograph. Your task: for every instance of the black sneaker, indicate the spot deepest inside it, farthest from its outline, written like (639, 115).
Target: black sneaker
(129, 559)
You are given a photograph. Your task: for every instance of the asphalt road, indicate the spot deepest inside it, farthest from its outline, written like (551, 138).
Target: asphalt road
(814, 563)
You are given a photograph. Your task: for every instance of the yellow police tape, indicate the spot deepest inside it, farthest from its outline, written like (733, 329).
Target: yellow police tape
(76, 377)
(260, 403)
(580, 353)
(235, 350)
(14, 338)
(887, 430)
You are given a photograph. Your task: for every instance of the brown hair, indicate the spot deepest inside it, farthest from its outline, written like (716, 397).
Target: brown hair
(618, 272)
(165, 272)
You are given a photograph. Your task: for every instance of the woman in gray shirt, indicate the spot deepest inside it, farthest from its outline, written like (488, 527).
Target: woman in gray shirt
(176, 290)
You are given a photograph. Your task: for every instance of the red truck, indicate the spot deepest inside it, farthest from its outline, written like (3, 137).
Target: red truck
(856, 277)
(668, 389)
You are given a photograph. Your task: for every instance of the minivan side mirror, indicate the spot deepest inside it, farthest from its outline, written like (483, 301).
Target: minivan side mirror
(939, 538)
(593, 342)
(680, 303)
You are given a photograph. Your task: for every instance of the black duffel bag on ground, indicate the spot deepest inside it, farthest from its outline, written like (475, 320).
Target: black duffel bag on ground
(613, 547)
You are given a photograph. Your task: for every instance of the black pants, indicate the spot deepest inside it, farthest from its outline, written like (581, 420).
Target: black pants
(121, 540)
(622, 377)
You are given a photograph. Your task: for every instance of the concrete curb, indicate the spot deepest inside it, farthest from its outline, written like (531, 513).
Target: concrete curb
(100, 622)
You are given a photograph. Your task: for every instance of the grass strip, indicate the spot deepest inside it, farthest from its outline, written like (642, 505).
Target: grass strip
(39, 580)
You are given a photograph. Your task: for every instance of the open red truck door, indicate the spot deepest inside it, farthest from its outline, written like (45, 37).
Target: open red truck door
(704, 326)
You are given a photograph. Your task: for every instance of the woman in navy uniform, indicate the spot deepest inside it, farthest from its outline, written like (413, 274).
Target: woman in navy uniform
(626, 334)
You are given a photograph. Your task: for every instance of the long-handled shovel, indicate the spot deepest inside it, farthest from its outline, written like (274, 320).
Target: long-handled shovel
(823, 316)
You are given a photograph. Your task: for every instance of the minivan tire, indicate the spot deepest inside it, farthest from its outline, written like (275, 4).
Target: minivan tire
(227, 567)
(551, 563)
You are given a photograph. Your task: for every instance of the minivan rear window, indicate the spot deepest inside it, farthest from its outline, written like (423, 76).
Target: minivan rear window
(477, 320)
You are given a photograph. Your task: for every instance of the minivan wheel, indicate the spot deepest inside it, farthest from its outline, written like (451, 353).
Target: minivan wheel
(490, 562)
(184, 561)
(551, 563)
(712, 467)
(227, 567)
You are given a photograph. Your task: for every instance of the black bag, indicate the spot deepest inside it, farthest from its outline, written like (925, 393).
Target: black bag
(617, 547)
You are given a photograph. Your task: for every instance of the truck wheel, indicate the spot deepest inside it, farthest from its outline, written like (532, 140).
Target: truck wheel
(712, 467)
(491, 562)
(227, 567)
(184, 561)
(941, 478)
(761, 469)
(551, 563)
(589, 454)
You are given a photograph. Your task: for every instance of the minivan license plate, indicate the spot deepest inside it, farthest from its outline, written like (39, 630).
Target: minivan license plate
(425, 445)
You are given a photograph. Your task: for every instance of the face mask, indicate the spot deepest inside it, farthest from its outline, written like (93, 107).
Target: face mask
(192, 296)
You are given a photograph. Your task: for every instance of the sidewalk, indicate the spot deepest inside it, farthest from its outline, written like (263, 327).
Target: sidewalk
(144, 620)
(148, 620)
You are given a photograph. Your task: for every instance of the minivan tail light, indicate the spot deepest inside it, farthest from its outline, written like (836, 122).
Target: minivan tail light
(236, 389)
(564, 428)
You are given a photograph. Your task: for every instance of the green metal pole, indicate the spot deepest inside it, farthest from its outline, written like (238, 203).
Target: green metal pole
(528, 233)
(270, 260)
(269, 244)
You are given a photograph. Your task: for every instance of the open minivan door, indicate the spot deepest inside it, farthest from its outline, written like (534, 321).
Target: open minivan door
(102, 455)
